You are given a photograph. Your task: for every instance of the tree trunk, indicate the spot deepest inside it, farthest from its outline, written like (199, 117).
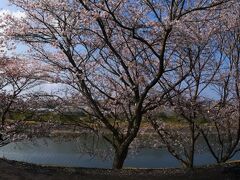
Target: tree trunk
(3, 118)
(120, 156)
(192, 149)
(5, 112)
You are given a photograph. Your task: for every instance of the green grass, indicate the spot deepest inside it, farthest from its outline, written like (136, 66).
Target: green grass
(75, 117)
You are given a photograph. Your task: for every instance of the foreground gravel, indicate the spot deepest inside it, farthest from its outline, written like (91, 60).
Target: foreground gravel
(12, 170)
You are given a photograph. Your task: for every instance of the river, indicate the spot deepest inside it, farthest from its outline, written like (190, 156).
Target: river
(91, 152)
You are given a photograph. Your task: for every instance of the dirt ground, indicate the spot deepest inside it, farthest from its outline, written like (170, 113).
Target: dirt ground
(12, 170)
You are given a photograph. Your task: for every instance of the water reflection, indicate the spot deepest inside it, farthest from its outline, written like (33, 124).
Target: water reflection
(91, 152)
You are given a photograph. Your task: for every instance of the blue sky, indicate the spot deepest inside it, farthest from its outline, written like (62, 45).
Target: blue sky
(4, 4)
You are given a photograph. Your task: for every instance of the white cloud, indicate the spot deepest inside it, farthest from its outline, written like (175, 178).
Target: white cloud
(16, 14)
(5, 12)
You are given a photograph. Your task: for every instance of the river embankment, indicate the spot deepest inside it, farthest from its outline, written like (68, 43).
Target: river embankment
(13, 170)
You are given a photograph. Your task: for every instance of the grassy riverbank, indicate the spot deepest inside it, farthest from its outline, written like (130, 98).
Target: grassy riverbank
(12, 170)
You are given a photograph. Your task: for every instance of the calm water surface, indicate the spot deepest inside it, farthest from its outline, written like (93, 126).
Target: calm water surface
(89, 152)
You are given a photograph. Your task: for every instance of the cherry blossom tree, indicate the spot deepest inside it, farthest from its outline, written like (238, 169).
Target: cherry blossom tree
(114, 53)
(224, 112)
(188, 98)
(192, 98)
(18, 77)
